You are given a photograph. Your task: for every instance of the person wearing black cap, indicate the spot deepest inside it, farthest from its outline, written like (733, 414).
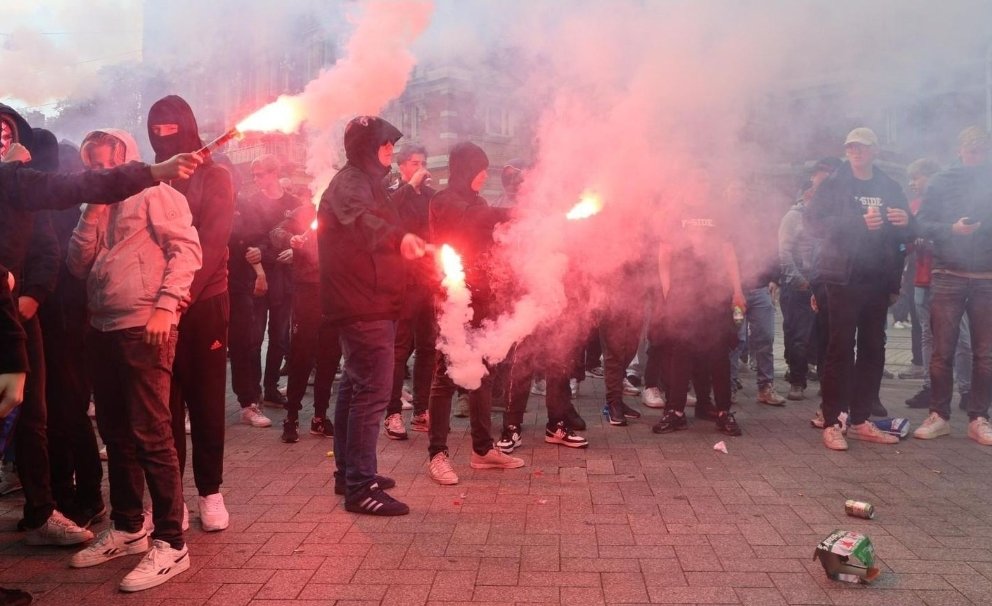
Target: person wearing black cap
(361, 250)
(795, 255)
(461, 218)
(199, 372)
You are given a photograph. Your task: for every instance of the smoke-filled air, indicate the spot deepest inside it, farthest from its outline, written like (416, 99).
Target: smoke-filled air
(613, 105)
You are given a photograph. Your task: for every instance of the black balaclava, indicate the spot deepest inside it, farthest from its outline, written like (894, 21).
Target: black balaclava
(363, 137)
(20, 128)
(465, 161)
(173, 109)
(45, 156)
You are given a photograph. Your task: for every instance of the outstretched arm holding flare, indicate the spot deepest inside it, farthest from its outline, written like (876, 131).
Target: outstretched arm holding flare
(29, 189)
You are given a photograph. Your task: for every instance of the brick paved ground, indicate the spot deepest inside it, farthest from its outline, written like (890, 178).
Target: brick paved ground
(636, 518)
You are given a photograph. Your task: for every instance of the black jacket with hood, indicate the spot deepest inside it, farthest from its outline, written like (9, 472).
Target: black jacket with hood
(44, 255)
(461, 218)
(834, 219)
(362, 275)
(209, 192)
(964, 191)
(16, 224)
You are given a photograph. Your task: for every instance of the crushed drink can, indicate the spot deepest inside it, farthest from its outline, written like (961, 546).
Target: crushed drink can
(859, 509)
(894, 426)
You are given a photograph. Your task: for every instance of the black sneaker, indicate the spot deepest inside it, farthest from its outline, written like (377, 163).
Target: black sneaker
(320, 426)
(877, 410)
(559, 433)
(290, 431)
(374, 501)
(964, 400)
(920, 400)
(671, 421)
(574, 420)
(727, 424)
(84, 517)
(274, 399)
(511, 439)
(630, 413)
(615, 414)
(383, 482)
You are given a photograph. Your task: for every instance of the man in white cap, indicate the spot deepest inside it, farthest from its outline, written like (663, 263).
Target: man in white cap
(861, 221)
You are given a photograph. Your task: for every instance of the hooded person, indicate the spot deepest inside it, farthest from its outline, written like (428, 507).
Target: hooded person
(462, 219)
(361, 246)
(76, 469)
(45, 524)
(139, 258)
(199, 377)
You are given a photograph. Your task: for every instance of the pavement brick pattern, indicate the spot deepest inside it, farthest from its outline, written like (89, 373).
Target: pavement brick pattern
(634, 519)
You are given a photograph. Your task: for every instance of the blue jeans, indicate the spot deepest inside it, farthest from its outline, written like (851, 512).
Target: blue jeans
(962, 355)
(952, 297)
(757, 333)
(362, 398)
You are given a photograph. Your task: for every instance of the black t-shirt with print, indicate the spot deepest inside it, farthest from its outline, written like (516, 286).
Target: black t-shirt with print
(697, 235)
(869, 256)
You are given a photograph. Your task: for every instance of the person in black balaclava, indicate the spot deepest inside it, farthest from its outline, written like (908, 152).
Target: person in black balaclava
(361, 246)
(199, 379)
(462, 219)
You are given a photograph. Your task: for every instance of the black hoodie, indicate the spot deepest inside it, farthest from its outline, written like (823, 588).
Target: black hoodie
(209, 192)
(461, 218)
(16, 224)
(41, 265)
(362, 274)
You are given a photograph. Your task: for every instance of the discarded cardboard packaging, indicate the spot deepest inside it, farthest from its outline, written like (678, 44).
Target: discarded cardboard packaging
(847, 556)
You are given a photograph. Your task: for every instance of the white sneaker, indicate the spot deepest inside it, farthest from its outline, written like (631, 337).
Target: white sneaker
(629, 389)
(10, 482)
(148, 523)
(980, 431)
(932, 427)
(110, 544)
(494, 459)
(252, 415)
(653, 398)
(395, 428)
(833, 438)
(213, 513)
(160, 564)
(57, 530)
(189, 429)
(869, 433)
(441, 471)
(539, 388)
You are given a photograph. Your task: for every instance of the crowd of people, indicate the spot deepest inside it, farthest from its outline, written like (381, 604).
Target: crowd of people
(139, 299)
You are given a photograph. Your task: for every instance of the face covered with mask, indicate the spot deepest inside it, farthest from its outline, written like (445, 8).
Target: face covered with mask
(13, 129)
(172, 128)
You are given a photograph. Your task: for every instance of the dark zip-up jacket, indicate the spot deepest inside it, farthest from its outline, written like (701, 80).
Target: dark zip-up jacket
(362, 274)
(953, 194)
(834, 218)
(305, 267)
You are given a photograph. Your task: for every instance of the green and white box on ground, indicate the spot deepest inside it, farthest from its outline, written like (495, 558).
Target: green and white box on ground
(847, 556)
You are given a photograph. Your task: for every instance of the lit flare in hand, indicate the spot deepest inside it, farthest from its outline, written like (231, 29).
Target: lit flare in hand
(284, 115)
(589, 204)
(451, 265)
